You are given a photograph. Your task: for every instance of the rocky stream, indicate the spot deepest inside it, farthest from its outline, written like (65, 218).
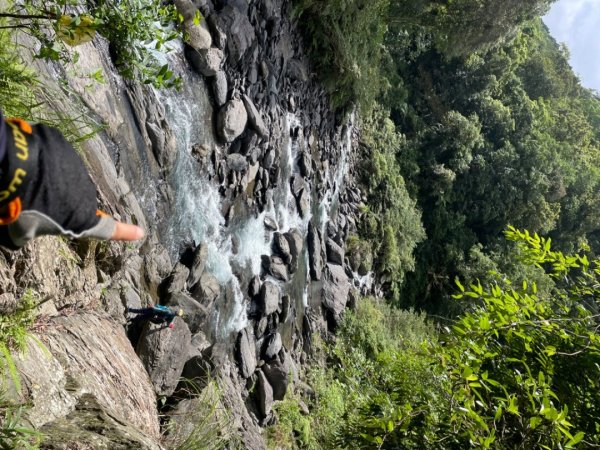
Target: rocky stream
(243, 181)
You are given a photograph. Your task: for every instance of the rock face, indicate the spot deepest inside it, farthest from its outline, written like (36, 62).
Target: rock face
(90, 426)
(164, 351)
(269, 150)
(91, 366)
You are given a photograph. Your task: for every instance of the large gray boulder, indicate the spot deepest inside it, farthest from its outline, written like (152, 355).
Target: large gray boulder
(295, 244)
(164, 351)
(277, 268)
(282, 247)
(186, 8)
(206, 62)
(265, 395)
(195, 314)
(336, 288)
(86, 354)
(231, 120)
(207, 289)
(219, 86)
(278, 373)
(335, 253)
(177, 280)
(198, 265)
(237, 162)
(269, 298)
(240, 32)
(197, 35)
(271, 346)
(255, 118)
(314, 253)
(246, 352)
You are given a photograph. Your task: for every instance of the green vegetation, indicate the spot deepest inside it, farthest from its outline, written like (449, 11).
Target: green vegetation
(345, 38)
(135, 29)
(518, 369)
(211, 421)
(474, 122)
(15, 323)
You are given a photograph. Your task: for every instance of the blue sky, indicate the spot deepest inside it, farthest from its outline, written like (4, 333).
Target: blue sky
(577, 23)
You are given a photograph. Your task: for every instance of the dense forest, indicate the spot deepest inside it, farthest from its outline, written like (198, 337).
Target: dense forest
(477, 139)
(479, 153)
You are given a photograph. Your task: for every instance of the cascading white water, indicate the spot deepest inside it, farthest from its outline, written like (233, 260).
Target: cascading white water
(330, 202)
(283, 205)
(197, 214)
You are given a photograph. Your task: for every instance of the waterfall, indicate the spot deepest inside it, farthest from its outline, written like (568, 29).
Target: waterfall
(328, 206)
(197, 207)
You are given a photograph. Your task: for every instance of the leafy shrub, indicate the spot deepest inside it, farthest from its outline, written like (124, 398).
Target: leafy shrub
(379, 363)
(15, 324)
(135, 29)
(212, 428)
(345, 41)
(392, 221)
(524, 365)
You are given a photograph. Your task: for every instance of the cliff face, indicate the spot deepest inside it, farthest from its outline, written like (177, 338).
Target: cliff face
(241, 181)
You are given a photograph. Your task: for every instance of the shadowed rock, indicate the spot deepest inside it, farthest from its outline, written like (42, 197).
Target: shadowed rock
(164, 351)
(246, 346)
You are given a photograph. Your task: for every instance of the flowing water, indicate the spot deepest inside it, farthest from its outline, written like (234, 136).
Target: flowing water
(197, 213)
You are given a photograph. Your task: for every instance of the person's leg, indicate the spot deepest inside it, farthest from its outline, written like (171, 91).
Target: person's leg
(141, 318)
(140, 310)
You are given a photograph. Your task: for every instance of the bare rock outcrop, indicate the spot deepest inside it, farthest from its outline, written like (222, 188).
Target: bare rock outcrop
(164, 352)
(87, 354)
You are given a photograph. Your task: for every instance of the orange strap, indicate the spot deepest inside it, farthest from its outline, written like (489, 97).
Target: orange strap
(13, 209)
(23, 125)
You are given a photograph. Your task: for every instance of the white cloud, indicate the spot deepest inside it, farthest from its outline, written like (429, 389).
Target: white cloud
(577, 23)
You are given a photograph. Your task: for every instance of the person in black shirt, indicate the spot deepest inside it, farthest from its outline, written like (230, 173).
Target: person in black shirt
(46, 189)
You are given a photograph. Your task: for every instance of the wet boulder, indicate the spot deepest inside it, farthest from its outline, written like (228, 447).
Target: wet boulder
(295, 244)
(335, 292)
(199, 260)
(281, 246)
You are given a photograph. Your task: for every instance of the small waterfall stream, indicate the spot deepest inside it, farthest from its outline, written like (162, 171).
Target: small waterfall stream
(197, 212)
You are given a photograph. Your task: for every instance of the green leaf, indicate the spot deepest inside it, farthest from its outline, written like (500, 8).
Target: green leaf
(576, 439)
(534, 422)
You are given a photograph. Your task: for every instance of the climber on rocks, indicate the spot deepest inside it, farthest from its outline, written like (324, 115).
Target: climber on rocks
(46, 189)
(157, 314)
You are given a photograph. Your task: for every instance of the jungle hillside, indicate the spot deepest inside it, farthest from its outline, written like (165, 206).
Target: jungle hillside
(479, 160)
